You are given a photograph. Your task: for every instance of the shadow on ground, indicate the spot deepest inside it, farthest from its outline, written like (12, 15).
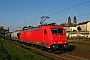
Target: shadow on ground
(70, 48)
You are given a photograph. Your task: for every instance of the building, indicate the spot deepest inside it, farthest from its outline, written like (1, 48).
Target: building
(84, 26)
(70, 26)
(88, 26)
(69, 21)
(74, 21)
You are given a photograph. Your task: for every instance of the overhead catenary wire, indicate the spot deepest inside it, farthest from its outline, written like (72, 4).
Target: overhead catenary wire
(77, 16)
(83, 15)
(65, 9)
(70, 8)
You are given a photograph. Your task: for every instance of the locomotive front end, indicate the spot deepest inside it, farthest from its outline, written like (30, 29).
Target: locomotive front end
(60, 42)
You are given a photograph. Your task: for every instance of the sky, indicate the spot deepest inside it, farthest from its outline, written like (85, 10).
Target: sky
(18, 13)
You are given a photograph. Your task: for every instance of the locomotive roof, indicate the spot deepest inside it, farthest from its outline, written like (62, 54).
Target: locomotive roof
(31, 29)
(35, 28)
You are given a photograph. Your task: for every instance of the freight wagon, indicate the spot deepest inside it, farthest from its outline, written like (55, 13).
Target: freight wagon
(8, 35)
(15, 35)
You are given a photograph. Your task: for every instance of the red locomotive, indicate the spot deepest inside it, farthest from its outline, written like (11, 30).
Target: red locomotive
(47, 37)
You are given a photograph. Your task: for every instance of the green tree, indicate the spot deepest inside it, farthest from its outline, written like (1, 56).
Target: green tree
(79, 28)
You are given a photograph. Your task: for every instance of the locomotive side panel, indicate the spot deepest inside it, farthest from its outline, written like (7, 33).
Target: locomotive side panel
(22, 35)
(46, 36)
(32, 36)
(36, 35)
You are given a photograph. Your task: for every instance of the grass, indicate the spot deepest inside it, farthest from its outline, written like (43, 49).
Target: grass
(19, 53)
(82, 41)
(2, 54)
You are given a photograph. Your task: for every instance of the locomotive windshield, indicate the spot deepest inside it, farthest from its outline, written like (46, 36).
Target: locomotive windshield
(57, 31)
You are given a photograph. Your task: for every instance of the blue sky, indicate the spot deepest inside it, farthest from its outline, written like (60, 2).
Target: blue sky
(19, 13)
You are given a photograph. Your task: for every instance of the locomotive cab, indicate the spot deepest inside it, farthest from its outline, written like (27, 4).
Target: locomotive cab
(59, 39)
(54, 38)
(59, 36)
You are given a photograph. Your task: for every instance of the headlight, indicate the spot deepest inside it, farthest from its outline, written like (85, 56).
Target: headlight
(54, 42)
(65, 42)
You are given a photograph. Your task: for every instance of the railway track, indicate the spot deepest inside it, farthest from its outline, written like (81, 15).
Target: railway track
(85, 56)
(82, 44)
(83, 52)
(71, 57)
(63, 56)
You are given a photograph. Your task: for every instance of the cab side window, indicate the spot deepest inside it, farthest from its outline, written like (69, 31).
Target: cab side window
(45, 32)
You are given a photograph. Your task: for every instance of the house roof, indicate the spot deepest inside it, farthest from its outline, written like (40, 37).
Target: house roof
(83, 23)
